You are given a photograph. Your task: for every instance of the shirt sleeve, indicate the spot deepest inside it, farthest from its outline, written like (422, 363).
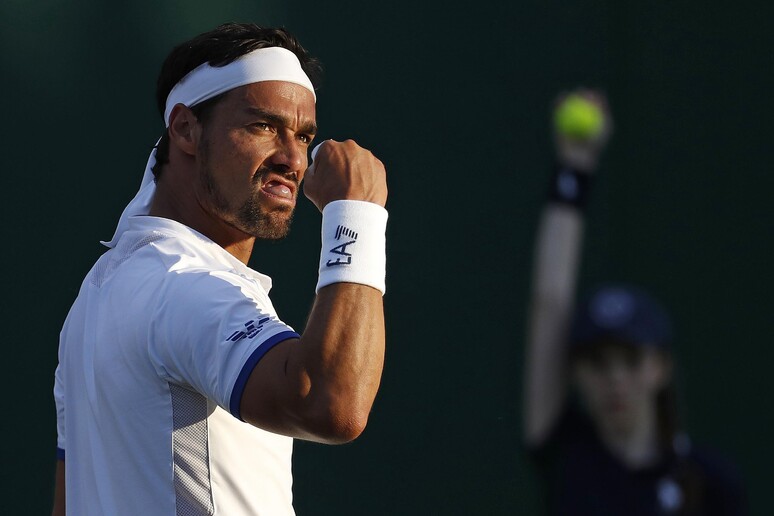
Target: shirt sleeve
(209, 332)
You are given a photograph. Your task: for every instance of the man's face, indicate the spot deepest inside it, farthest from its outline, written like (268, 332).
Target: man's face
(252, 155)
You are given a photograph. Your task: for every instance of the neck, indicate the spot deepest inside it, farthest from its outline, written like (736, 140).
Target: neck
(636, 444)
(171, 203)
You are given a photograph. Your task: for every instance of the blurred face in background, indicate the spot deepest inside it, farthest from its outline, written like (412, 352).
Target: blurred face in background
(619, 383)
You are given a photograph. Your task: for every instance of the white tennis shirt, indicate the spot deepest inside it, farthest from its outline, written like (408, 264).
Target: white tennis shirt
(153, 358)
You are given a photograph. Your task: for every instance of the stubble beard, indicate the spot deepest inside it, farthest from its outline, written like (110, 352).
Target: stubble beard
(251, 217)
(256, 220)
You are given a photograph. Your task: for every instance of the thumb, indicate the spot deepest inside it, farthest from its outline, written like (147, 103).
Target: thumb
(311, 168)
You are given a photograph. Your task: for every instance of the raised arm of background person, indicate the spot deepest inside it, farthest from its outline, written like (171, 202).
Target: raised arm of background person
(322, 387)
(554, 277)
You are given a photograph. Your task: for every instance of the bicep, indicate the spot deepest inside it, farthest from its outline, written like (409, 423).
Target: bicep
(321, 387)
(271, 394)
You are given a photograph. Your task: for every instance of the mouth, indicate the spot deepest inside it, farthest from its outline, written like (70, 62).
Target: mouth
(279, 189)
(616, 405)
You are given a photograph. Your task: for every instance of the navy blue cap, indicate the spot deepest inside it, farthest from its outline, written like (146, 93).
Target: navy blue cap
(621, 313)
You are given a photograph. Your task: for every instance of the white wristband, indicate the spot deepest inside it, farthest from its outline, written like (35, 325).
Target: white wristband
(353, 244)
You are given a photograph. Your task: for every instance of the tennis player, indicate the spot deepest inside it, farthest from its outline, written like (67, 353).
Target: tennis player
(179, 390)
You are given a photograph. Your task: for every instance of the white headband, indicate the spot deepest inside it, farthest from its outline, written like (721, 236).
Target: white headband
(264, 64)
(206, 82)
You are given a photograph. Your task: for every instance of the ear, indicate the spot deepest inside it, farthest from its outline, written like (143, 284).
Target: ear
(183, 129)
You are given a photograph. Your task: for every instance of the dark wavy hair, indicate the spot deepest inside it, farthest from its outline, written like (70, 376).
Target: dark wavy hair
(219, 47)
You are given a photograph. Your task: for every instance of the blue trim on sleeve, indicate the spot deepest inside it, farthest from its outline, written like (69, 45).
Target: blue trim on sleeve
(241, 381)
(60, 453)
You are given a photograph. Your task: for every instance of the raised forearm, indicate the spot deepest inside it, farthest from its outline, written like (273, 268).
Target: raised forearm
(582, 128)
(553, 289)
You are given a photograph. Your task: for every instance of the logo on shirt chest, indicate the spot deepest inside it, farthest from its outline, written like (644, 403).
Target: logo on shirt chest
(252, 328)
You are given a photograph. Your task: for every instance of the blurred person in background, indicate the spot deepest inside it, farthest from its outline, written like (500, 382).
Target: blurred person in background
(611, 445)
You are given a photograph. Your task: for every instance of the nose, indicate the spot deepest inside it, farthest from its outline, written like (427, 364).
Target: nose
(290, 155)
(617, 372)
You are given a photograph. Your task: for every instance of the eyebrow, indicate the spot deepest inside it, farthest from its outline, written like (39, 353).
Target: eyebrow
(305, 127)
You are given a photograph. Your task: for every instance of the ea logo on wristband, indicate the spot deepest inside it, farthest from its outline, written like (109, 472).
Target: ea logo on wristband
(341, 249)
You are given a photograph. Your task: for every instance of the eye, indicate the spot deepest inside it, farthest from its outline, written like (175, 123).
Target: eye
(263, 126)
(305, 138)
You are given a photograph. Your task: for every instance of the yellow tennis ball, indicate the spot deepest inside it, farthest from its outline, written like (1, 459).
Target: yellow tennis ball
(578, 118)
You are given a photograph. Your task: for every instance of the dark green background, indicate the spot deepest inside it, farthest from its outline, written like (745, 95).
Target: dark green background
(455, 99)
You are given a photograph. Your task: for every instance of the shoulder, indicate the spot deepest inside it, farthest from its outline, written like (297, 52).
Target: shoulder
(207, 293)
(183, 262)
(715, 465)
(722, 479)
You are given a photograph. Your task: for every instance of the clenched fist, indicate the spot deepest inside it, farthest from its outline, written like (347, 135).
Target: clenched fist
(344, 171)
